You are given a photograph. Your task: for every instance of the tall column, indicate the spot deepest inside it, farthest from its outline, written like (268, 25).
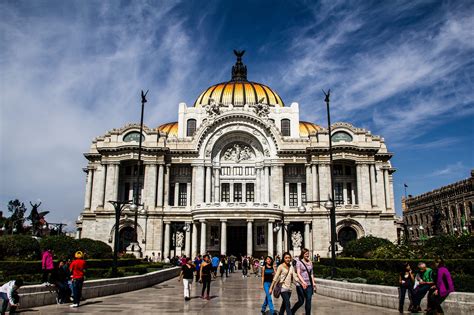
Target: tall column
(266, 174)
(223, 237)
(200, 184)
(110, 183)
(244, 192)
(187, 241)
(208, 184)
(324, 181)
(307, 236)
(166, 245)
(194, 242)
(188, 194)
(176, 194)
(365, 178)
(161, 174)
(249, 237)
(373, 186)
(231, 192)
(217, 185)
(387, 188)
(99, 187)
(203, 237)
(309, 184)
(270, 238)
(314, 177)
(150, 186)
(285, 237)
(344, 193)
(359, 184)
(299, 192)
(258, 188)
(90, 178)
(277, 187)
(280, 241)
(167, 186)
(287, 194)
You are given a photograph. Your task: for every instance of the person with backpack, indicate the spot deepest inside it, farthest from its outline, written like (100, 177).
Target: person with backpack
(77, 269)
(9, 295)
(283, 282)
(305, 289)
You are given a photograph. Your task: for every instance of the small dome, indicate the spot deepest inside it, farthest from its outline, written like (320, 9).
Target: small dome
(306, 128)
(171, 129)
(239, 91)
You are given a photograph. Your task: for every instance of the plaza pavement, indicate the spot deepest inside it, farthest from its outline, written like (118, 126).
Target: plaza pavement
(233, 295)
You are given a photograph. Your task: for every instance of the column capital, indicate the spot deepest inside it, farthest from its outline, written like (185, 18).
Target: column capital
(223, 220)
(250, 220)
(202, 220)
(166, 222)
(307, 222)
(271, 221)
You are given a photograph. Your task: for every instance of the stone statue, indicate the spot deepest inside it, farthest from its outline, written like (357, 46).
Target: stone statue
(36, 218)
(213, 108)
(238, 153)
(261, 109)
(179, 239)
(296, 239)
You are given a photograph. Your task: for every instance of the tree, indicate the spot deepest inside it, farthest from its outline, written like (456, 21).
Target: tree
(18, 209)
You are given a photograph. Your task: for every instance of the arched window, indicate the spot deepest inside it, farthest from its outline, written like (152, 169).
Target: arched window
(190, 127)
(285, 127)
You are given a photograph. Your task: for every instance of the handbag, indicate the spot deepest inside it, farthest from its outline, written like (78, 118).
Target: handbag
(277, 288)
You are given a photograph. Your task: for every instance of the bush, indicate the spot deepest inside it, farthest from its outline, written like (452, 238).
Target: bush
(65, 247)
(94, 249)
(363, 247)
(19, 247)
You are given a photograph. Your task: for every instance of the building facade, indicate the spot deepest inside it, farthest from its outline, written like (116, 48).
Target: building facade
(446, 210)
(238, 163)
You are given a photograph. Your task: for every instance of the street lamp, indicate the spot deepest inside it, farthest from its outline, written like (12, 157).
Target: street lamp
(119, 206)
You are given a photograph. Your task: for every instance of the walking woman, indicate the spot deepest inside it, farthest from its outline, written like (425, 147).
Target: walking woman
(205, 276)
(406, 280)
(268, 271)
(187, 273)
(285, 276)
(305, 289)
(443, 287)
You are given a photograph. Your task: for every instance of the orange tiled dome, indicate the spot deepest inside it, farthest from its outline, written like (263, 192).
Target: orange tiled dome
(306, 128)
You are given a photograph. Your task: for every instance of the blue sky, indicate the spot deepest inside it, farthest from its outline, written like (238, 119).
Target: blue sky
(72, 70)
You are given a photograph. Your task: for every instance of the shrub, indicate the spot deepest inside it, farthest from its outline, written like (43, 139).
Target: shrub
(94, 249)
(63, 246)
(19, 247)
(363, 247)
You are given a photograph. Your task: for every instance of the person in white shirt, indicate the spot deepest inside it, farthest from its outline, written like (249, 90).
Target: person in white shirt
(9, 295)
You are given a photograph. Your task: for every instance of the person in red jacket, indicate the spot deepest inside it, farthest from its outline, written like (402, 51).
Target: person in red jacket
(77, 269)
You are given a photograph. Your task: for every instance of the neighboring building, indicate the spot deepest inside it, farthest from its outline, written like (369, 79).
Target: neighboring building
(446, 210)
(233, 167)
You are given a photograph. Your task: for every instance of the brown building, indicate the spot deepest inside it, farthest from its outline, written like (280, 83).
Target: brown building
(446, 210)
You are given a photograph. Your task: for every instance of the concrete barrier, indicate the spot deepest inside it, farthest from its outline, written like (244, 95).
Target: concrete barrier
(38, 295)
(386, 296)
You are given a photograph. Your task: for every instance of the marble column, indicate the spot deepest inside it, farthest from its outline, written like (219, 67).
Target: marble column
(270, 238)
(194, 242)
(161, 174)
(324, 181)
(249, 237)
(314, 177)
(187, 241)
(111, 186)
(287, 194)
(188, 194)
(200, 183)
(167, 186)
(277, 187)
(217, 185)
(359, 184)
(176, 194)
(258, 188)
(266, 176)
(90, 178)
(299, 192)
(150, 186)
(223, 237)
(99, 187)
(309, 184)
(166, 245)
(387, 188)
(373, 186)
(365, 178)
(285, 237)
(203, 237)
(280, 241)
(208, 184)
(344, 193)
(307, 241)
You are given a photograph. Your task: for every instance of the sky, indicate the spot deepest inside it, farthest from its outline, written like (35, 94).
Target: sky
(72, 70)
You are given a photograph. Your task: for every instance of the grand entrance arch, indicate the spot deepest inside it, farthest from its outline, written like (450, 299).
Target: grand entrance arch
(125, 237)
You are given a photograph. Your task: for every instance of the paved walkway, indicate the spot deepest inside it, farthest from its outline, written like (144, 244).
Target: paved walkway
(233, 295)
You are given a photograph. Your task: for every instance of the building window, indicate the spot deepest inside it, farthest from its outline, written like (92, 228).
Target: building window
(250, 171)
(339, 193)
(348, 170)
(293, 195)
(190, 127)
(238, 192)
(225, 170)
(337, 169)
(171, 195)
(285, 127)
(225, 192)
(126, 192)
(260, 235)
(214, 235)
(303, 192)
(237, 170)
(182, 194)
(349, 193)
(249, 192)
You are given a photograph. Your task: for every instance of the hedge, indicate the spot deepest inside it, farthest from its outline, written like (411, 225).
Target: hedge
(20, 247)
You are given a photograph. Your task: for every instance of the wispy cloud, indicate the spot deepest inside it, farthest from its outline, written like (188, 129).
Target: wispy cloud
(440, 144)
(457, 169)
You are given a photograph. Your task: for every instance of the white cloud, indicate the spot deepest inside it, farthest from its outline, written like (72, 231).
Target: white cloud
(457, 169)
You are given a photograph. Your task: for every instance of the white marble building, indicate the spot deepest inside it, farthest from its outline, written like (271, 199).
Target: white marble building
(238, 162)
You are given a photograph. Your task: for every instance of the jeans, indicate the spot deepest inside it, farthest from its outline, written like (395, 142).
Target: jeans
(5, 302)
(62, 291)
(401, 295)
(419, 293)
(206, 284)
(46, 275)
(77, 290)
(187, 286)
(304, 296)
(285, 304)
(244, 270)
(268, 298)
(434, 304)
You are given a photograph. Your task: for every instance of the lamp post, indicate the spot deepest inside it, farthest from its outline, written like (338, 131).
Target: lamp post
(119, 206)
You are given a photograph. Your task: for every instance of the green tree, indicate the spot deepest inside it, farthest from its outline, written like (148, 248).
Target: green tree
(17, 217)
(364, 246)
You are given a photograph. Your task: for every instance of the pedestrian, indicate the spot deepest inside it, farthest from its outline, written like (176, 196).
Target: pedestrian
(205, 276)
(443, 287)
(222, 266)
(305, 289)
(77, 269)
(423, 283)
(215, 265)
(285, 276)
(245, 265)
(47, 265)
(9, 295)
(197, 263)
(59, 277)
(187, 274)
(277, 261)
(406, 280)
(268, 271)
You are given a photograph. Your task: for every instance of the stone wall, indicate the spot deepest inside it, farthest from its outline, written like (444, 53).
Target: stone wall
(38, 295)
(386, 296)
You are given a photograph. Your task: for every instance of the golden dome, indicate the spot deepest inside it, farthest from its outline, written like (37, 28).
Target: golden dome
(238, 91)
(306, 128)
(171, 129)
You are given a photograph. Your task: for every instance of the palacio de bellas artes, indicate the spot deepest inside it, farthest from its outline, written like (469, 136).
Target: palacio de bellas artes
(239, 172)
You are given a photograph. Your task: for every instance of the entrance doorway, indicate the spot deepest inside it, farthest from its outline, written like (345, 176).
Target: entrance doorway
(237, 240)
(125, 237)
(345, 235)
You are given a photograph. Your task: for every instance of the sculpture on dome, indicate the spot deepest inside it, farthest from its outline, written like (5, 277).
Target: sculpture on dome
(262, 109)
(239, 70)
(213, 108)
(296, 239)
(238, 153)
